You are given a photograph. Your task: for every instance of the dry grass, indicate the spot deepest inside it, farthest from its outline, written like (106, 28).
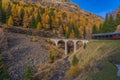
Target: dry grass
(72, 72)
(34, 38)
(96, 51)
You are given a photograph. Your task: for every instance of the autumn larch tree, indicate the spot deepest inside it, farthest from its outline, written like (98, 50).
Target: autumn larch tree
(39, 26)
(10, 21)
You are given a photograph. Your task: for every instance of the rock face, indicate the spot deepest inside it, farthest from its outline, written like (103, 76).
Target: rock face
(116, 12)
(39, 1)
(3, 39)
(118, 28)
(54, 4)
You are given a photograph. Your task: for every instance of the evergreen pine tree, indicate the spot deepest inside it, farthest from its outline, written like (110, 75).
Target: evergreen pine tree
(33, 23)
(111, 24)
(117, 21)
(15, 16)
(38, 18)
(76, 31)
(3, 16)
(100, 28)
(94, 29)
(63, 29)
(64, 15)
(105, 24)
(50, 22)
(3, 69)
(74, 61)
(8, 12)
(84, 33)
(0, 11)
(21, 16)
(28, 74)
(26, 22)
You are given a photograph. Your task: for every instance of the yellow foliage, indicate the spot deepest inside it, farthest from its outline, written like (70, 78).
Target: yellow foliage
(72, 35)
(73, 71)
(43, 12)
(39, 26)
(47, 18)
(66, 28)
(34, 38)
(50, 60)
(53, 52)
(10, 21)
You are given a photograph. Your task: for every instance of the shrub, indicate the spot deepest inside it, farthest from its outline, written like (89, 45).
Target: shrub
(72, 72)
(53, 52)
(28, 74)
(74, 61)
(3, 69)
(51, 59)
(34, 39)
(53, 55)
(84, 46)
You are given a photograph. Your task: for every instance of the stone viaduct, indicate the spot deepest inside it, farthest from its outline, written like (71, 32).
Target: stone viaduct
(66, 41)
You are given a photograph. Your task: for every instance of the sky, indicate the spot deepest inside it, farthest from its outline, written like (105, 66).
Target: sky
(99, 7)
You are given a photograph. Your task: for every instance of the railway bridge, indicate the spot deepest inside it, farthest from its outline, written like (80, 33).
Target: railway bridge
(56, 41)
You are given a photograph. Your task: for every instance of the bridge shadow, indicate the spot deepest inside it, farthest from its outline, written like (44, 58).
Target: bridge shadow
(79, 44)
(70, 45)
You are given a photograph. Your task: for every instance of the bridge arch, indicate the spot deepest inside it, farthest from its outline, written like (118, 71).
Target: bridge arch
(70, 46)
(61, 44)
(79, 44)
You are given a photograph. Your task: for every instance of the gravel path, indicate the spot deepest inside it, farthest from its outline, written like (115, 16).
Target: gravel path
(22, 52)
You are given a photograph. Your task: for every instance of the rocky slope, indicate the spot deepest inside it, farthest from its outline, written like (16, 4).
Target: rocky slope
(3, 40)
(61, 4)
(23, 52)
(116, 12)
(56, 71)
(39, 1)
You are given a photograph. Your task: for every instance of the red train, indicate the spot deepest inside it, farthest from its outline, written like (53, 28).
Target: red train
(116, 37)
(107, 36)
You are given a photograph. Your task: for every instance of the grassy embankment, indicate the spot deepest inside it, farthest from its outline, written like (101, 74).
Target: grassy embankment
(96, 62)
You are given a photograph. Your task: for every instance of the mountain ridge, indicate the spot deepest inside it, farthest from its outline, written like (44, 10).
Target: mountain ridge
(116, 12)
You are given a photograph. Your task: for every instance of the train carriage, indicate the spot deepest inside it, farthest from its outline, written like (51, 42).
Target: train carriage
(107, 36)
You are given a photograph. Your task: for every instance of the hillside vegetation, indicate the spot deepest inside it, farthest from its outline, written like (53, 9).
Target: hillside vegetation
(62, 19)
(96, 61)
(112, 20)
